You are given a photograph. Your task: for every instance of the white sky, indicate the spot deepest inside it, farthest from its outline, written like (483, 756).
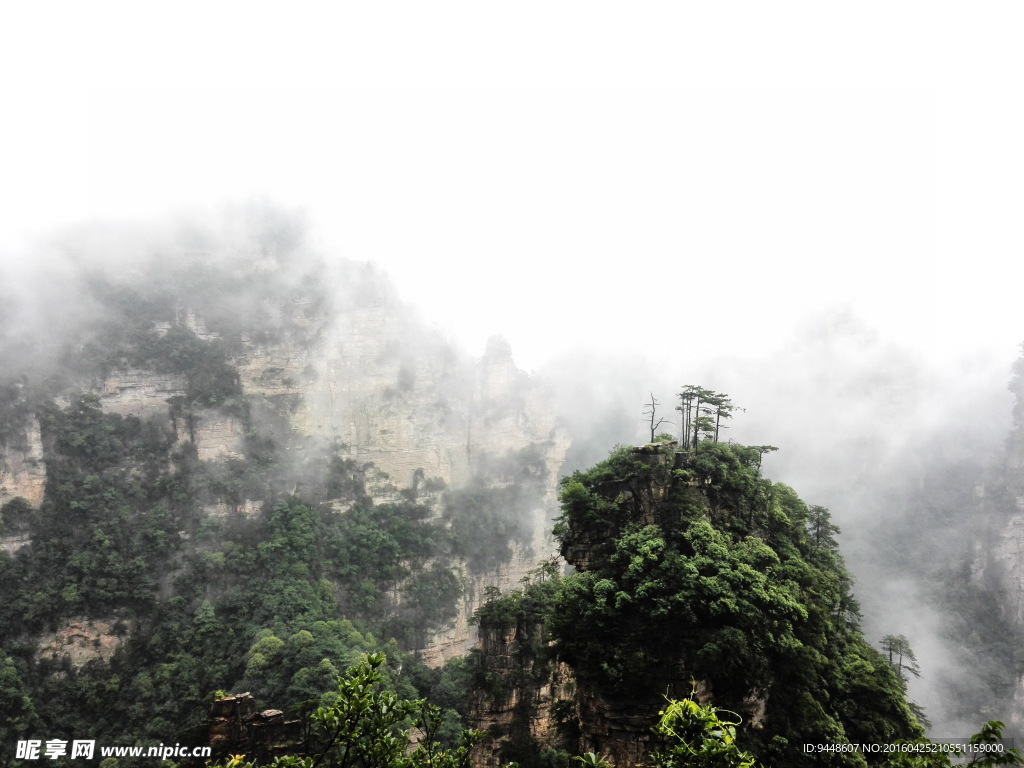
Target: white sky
(549, 170)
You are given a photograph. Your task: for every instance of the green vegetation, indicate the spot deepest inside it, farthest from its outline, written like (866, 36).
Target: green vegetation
(694, 735)
(702, 411)
(486, 521)
(497, 510)
(363, 723)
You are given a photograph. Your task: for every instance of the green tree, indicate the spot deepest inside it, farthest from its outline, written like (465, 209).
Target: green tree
(901, 656)
(690, 400)
(821, 529)
(723, 409)
(698, 417)
(761, 451)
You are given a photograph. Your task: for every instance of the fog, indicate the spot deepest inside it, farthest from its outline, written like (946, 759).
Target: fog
(812, 211)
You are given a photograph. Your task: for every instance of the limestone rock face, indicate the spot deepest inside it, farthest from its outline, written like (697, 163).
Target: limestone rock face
(380, 390)
(14, 542)
(364, 382)
(235, 727)
(22, 472)
(460, 637)
(521, 704)
(996, 562)
(81, 640)
(371, 384)
(216, 435)
(1007, 557)
(140, 393)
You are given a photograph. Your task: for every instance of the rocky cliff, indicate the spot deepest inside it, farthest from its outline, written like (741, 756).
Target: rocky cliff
(994, 591)
(22, 472)
(524, 700)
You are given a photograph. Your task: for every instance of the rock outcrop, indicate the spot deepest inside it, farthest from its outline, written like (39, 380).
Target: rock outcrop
(81, 640)
(22, 472)
(236, 727)
(525, 697)
(993, 536)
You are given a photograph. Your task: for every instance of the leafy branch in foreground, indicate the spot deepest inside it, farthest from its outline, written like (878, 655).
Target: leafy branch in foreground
(695, 735)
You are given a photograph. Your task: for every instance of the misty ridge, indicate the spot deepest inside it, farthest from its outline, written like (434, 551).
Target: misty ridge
(916, 458)
(896, 445)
